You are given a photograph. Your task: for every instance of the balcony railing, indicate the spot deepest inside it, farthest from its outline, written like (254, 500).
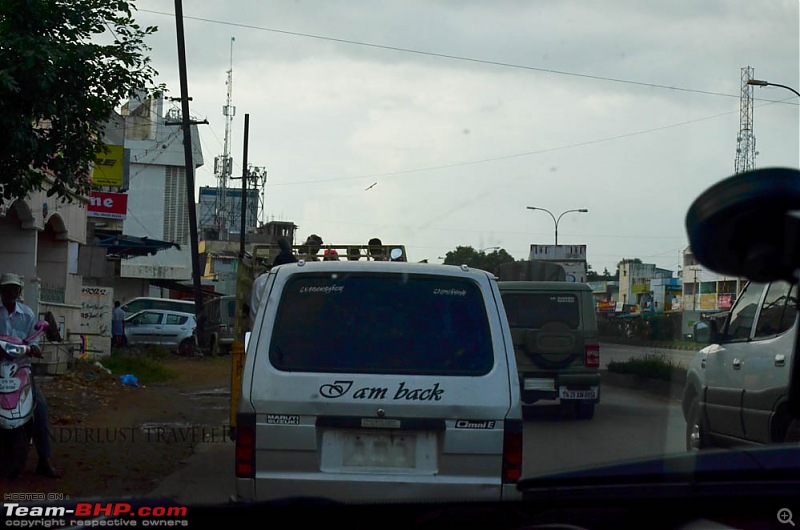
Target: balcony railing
(52, 294)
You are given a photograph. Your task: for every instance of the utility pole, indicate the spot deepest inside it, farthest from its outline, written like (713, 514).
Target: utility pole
(187, 149)
(245, 172)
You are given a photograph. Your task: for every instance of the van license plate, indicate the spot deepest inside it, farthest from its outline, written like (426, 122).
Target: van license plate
(590, 393)
(380, 450)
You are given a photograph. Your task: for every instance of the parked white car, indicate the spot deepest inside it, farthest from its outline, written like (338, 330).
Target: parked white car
(173, 329)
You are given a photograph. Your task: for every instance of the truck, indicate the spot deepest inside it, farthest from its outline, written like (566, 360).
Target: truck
(259, 261)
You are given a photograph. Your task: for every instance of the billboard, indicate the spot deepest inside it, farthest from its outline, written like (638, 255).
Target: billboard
(107, 205)
(708, 301)
(109, 166)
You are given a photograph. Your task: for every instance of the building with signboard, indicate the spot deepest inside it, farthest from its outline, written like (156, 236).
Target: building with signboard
(639, 282)
(705, 290)
(153, 247)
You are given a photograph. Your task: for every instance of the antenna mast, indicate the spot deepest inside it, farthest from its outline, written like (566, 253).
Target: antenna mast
(223, 165)
(746, 140)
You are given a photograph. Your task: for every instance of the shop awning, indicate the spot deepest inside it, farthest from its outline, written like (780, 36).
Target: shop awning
(122, 246)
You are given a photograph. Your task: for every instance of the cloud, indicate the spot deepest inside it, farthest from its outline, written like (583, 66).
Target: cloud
(466, 112)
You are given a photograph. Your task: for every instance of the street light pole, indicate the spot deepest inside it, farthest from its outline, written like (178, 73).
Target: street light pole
(556, 220)
(760, 82)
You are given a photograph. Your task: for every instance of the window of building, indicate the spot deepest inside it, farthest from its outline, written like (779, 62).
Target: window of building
(176, 217)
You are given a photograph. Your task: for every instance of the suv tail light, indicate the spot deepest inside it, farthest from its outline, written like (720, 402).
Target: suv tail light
(592, 356)
(512, 451)
(245, 460)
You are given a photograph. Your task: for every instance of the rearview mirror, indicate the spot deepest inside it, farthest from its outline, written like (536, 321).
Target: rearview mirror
(747, 225)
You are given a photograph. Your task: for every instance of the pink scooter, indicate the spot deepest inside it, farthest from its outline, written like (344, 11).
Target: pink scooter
(16, 401)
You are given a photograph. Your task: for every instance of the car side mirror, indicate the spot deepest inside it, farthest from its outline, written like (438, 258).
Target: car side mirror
(706, 332)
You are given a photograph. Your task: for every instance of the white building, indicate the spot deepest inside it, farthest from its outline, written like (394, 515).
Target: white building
(571, 257)
(41, 238)
(157, 198)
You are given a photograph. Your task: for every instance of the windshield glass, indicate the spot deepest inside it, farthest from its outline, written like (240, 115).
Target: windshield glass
(534, 141)
(534, 309)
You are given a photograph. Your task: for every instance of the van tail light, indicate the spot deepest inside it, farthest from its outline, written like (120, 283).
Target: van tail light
(245, 459)
(592, 357)
(512, 451)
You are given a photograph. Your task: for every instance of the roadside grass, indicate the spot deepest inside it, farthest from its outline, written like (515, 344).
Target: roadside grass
(146, 364)
(650, 366)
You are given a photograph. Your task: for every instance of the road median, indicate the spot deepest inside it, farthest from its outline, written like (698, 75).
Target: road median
(670, 389)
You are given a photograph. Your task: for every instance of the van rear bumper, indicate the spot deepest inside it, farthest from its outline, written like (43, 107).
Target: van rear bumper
(371, 489)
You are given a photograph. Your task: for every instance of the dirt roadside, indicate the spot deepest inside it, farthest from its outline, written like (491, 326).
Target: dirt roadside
(116, 440)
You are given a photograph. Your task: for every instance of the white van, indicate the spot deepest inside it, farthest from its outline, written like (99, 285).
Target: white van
(379, 381)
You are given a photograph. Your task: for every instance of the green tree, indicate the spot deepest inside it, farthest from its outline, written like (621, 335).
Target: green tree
(65, 65)
(594, 276)
(477, 259)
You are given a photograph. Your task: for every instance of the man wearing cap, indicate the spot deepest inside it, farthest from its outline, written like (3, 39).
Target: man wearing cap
(18, 320)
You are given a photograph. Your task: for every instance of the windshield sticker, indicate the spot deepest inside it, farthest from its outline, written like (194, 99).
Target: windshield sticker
(324, 289)
(472, 424)
(339, 389)
(282, 419)
(450, 292)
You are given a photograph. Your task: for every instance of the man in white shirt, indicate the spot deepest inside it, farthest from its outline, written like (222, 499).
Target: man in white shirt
(18, 320)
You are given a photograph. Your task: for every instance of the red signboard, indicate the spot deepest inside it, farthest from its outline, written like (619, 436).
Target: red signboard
(108, 205)
(725, 301)
(606, 307)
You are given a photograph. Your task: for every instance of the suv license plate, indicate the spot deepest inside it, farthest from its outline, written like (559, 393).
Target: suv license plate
(590, 393)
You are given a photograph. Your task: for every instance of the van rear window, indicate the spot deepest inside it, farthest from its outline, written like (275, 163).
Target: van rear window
(379, 323)
(532, 310)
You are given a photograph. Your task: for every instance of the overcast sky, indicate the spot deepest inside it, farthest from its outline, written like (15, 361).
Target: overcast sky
(466, 112)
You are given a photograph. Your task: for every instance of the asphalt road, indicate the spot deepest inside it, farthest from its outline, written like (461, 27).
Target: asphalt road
(627, 424)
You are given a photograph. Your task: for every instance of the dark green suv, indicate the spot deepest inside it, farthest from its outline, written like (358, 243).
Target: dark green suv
(554, 329)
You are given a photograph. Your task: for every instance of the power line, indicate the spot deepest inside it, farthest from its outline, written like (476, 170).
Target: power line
(454, 57)
(506, 157)
(516, 155)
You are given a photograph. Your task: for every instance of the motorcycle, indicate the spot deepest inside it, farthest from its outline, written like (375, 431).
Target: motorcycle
(16, 401)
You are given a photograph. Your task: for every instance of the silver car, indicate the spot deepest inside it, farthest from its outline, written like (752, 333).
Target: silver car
(173, 329)
(736, 387)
